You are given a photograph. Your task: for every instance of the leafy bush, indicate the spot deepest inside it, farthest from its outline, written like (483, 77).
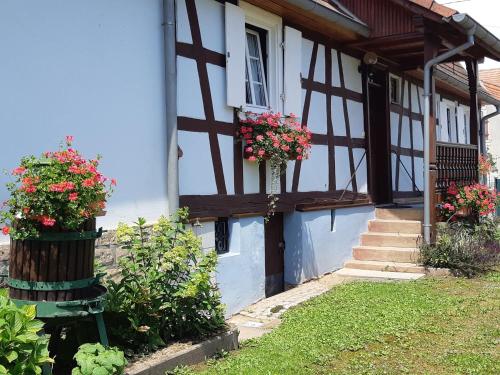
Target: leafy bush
(465, 249)
(58, 189)
(95, 359)
(166, 290)
(22, 350)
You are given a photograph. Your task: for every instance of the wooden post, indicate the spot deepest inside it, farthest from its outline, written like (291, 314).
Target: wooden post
(472, 74)
(431, 45)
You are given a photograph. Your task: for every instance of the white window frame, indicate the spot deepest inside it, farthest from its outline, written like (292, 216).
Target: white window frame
(398, 96)
(273, 25)
(249, 73)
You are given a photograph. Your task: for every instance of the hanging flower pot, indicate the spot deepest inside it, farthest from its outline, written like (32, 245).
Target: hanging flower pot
(50, 217)
(275, 138)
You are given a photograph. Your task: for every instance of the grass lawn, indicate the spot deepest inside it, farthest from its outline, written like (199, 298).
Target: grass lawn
(432, 326)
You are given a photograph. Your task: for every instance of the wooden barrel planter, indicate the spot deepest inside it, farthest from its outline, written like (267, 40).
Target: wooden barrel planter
(57, 266)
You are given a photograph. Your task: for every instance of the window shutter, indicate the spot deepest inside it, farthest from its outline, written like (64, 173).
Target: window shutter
(293, 64)
(235, 56)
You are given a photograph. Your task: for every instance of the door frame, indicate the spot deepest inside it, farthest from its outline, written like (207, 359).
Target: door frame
(373, 178)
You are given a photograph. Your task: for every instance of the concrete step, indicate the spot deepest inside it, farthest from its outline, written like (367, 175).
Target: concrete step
(395, 226)
(377, 275)
(384, 266)
(390, 239)
(400, 214)
(386, 254)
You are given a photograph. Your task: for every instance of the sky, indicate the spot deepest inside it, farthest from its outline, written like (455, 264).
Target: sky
(486, 12)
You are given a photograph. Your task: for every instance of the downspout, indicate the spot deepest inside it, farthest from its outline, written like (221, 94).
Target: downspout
(427, 93)
(482, 140)
(481, 128)
(171, 104)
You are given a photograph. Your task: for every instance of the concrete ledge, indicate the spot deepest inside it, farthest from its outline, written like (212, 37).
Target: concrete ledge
(167, 359)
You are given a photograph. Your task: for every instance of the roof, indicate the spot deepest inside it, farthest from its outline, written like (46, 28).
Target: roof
(456, 75)
(335, 6)
(433, 6)
(490, 78)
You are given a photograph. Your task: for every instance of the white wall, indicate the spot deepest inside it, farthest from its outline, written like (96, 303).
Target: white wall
(241, 271)
(313, 249)
(493, 141)
(92, 69)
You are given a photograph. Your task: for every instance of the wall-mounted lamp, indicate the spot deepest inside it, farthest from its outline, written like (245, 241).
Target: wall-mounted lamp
(370, 58)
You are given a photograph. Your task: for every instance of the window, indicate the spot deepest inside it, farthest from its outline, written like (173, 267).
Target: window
(395, 87)
(256, 67)
(222, 236)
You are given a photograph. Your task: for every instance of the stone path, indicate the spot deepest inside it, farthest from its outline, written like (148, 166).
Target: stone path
(261, 317)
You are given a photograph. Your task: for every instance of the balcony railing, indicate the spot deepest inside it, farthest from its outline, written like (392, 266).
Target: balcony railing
(455, 162)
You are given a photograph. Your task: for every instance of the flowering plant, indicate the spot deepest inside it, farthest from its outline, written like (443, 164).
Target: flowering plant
(59, 190)
(274, 137)
(477, 198)
(486, 164)
(271, 136)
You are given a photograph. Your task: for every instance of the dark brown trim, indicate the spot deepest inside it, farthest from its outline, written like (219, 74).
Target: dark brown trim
(202, 126)
(407, 112)
(354, 183)
(407, 194)
(237, 205)
(402, 151)
(209, 56)
(238, 161)
(305, 113)
(201, 62)
(329, 122)
(262, 178)
(338, 140)
(410, 122)
(324, 88)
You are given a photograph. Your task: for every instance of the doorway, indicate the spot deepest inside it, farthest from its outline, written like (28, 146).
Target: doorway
(274, 255)
(379, 137)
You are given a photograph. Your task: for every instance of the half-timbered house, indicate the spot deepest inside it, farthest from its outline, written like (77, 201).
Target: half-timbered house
(156, 86)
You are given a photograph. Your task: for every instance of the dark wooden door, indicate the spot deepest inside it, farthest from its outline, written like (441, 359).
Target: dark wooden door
(379, 137)
(275, 249)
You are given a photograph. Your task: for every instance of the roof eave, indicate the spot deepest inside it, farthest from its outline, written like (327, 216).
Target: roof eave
(468, 25)
(317, 9)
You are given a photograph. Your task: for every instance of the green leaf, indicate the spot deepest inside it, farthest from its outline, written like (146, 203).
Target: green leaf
(11, 356)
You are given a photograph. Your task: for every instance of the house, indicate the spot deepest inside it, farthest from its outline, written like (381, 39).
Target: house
(155, 86)
(490, 79)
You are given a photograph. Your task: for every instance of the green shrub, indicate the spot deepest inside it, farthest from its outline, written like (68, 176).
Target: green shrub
(95, 359)
(465, 249)
(165, 291)
(23, 351)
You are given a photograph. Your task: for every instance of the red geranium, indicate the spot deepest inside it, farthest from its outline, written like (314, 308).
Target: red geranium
(60, 189)
(477, 198)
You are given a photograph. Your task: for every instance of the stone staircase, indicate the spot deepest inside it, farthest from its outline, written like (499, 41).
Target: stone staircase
(389, 250)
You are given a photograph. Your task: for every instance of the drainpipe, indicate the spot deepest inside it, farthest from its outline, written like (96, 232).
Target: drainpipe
(482, 140)
(171, 104)
(481, 128)
(427, 93)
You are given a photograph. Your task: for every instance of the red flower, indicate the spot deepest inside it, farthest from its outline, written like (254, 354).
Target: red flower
(261, 152)
(89, 182)
(252, 158)
(249, 149)
(5, 231)
(48, 221)
(26, 210)
(452, 189)
(73, 197)
(69, 139)
(18, 171)
(299, 157)
(113, 181)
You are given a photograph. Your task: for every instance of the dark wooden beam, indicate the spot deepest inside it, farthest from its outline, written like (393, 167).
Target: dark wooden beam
(391, 40)
(473, 73)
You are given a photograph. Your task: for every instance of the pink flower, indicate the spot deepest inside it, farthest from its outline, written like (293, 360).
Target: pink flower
(69, 139)
(48, 221)
(299, 157)
(5, 231)
(113, 181)
(249, 149)
(252, 158)
(73, 197)
(299, 149)
(89, 182)
(261, 152)
(18, 171)
(259, 138)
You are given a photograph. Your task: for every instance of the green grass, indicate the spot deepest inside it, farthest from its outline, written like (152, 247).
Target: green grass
(433, 326)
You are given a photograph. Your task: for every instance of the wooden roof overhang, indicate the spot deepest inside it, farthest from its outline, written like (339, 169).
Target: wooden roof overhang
(420, 28)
